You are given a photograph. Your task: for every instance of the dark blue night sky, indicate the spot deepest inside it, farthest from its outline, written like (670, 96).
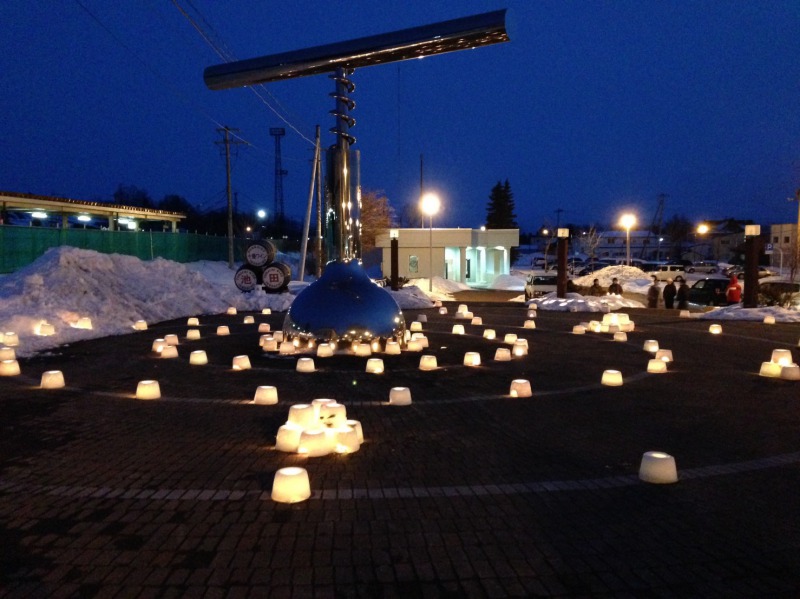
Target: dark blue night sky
(594, 108)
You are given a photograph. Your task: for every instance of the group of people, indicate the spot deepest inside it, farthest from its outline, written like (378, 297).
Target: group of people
(672, 293)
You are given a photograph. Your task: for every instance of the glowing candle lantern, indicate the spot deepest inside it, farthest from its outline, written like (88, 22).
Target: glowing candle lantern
(392, 348)
(529, 324)
(193, 322)
(288, 437)
(489, 334)
(291, 485)
(423, 340)
(664, 354)
(347, 440)
(520, 388)
(623, 319)
(223, 330)
(458, 329)
(510, 338)
(651, 345)
(158, 345)
(375, 366)
(286, 348)
(400, 396)
(655, 366)
(193, 334)
(84, 322)
(477, 320)
(715, 329)
(416, 325)
(278, 335)
(462, 308)
(52, 379)
(520, 348)
(139, 325)
(241, 363)
(324, 350)
(658, 467)
(628, 327)
(303, 415)
(472, 358)
(231, 311)
(266, 395)
(198, 358)
(7, 353)
(781, 356)
(578, 330)
(620, 336)
(249, 319)
(356, 425)
(422, 318)
(610, 319)
(428, 362)
(305, 365)
(503, 354)
(613, 328)
(9, 368)
(769, 319)
(266, 311)
(148, 390)
(169, 351)
(442, 310)
(611, 378)
(595, 326)
(296, 342)
(790, 372)
(604, 327)
(770, 369)
(317, 404)
(363, 350)
(465, 315)
(263, 327)
(414, 345)
(171, 339)
(269, 344)
(375, 346)
(332, 414)
(437, 303)
(531, 312)
(406, 335)
(45, 329)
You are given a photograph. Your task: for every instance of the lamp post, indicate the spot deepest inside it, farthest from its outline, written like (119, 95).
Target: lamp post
(561, 276)
(627, 221)
(429, 205)
(750, 297)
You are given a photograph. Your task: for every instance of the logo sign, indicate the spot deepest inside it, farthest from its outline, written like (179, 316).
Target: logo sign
(768, 248)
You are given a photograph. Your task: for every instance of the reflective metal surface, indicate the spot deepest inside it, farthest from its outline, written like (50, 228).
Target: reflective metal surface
(344, 304)
(416, 42)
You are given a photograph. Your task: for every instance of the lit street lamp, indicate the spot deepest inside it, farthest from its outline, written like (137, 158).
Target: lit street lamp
(429, 205)
(627, 221)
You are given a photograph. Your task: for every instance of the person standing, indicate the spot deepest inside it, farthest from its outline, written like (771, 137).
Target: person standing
(669, 294)
(683, 295)
(653, 292)
(733, 294)
(615, 288)
(595, 289)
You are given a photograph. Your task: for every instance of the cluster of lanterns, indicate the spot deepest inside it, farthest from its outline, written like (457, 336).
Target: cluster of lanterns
(319, 429)
(781, 365)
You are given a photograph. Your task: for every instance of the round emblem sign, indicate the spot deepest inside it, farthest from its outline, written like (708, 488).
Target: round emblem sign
(245, 279)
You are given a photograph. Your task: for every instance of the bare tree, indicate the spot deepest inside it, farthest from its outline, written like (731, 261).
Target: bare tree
(376, 215)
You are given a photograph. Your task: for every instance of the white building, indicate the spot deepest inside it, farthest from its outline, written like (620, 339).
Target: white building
(784, 243)
(472, 256)
(613, 245)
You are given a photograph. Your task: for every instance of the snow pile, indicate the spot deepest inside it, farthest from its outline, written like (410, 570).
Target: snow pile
(508, 282)
(575, 302)
(443, 289)
(632, 279)
(115, 291)
(736, 312)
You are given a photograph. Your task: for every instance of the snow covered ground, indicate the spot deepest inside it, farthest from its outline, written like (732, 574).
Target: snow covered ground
(114, 291)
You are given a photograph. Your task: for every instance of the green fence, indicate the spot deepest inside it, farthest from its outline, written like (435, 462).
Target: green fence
(22, 245)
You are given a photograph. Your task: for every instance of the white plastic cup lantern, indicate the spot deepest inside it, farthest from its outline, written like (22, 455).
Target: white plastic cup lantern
(769, 319)
(458, 329)
(356, 425)
(611, 378)
(442, 310)
(651, 345)
(476, 320)
(241, 362)
(324, 350)
(198, 358)
(193, 334)
(489, 334)
(305, 365)
(148, 390)
(288, 437)
(510, 338)
(529, 324)
(193, 322)
(263, 327)
(416, 326)
(9, 368)
(223, 330)
(52, 379)
(375, 366)
(715, 329)
(249, 319)
(169, 351)
(231, 311)
(782, 357)
(158, 345)
(520, 388)
(655, 366)
(84, 322)
(620, 336)
(579, 330)
(428, 362)
(658, 468)
(422, 318)
(7, 353)
(303, 415)
(790, 372)
(266, 311)
(472, 358)
(139, 325)
(400, 396)
(266, 395)
(392, 348)
(664, 354)
(171, 339)
(291, 485)
(502, 354)
(770, 369)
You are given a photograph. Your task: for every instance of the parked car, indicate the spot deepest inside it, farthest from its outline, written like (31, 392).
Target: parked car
(538, 285)
(779, 293)
(669, 271)
(709, 291)
(738, 270)
(707, 266)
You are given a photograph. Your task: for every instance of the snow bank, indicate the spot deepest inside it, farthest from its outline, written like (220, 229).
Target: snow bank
(508, 282)
(736, 312)
(575, 302)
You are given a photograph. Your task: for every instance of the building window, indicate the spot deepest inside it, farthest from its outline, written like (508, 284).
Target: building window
(775, 239)
(785, 239)
(413, 264)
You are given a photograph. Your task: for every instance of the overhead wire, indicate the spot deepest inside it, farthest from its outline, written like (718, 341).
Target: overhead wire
(227, 56)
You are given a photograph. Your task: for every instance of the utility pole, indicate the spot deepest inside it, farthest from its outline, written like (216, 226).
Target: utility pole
(227, 142)
(558, 216)
(421, 189)
(277, 133)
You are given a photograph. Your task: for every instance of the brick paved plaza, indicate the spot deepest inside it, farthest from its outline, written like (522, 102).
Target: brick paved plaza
(465, 493)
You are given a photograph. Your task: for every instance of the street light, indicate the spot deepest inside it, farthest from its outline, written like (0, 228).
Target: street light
(627, 221)
(429, 205)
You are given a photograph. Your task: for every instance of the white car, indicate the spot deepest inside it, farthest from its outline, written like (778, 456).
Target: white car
(669, 271)
(706, 266)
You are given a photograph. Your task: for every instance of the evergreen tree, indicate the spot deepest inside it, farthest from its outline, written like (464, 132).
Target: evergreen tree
(500, 210)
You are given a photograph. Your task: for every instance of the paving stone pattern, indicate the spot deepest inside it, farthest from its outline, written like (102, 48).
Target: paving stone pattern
(466, 493)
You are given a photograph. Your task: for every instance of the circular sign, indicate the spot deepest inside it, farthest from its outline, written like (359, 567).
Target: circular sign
(259, 254)
(246, 278)
(276, 277)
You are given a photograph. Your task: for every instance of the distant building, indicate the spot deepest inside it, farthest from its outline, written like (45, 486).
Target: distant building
(471, 256)
(612, 245)
(784, 242)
